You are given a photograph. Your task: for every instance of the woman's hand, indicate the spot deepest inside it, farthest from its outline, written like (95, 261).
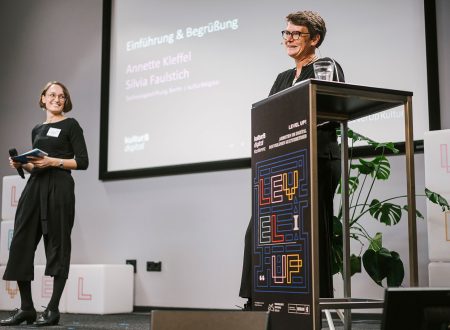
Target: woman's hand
(14, 164)
(43, 162)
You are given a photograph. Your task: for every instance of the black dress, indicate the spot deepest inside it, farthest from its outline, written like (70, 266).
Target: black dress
(47, 204)
(329, 172)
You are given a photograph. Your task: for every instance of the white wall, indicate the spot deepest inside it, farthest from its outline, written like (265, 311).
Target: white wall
(194, 224)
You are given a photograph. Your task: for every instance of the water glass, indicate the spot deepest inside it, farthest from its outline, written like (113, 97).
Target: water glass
(324, 70)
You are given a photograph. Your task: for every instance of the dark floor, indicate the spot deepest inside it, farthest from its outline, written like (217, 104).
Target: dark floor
(135, 321)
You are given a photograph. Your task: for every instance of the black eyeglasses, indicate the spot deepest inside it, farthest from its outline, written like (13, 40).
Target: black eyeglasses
(294, 34)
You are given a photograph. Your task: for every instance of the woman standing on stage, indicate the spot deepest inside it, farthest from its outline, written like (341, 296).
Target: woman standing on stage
(47, 205)
(305, 31)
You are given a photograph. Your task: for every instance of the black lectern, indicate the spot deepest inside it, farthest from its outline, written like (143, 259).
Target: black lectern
(284, 195)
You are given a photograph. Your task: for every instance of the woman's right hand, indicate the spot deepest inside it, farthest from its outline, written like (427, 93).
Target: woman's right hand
(14, 164)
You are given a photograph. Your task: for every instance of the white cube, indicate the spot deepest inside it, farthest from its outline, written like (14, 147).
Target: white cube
(6, 234)
(12, 189)
(42, 289)
(437, 178)
(9, 293)
(438, 227)
(437, 160)
(100, 289)
(439, 274)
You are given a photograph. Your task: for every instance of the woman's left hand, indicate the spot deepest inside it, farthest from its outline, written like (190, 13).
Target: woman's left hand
(43, 162)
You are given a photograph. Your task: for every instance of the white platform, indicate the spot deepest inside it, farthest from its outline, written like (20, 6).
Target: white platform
(12, 189)
(437, 179)
(42, 289)
(439, 274)
(6, 233)
(90, 289)
(100, 289)
(438, 226)
(9, 293)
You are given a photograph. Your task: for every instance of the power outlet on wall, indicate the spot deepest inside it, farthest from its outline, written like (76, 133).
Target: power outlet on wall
(132, 262)
(153, 266)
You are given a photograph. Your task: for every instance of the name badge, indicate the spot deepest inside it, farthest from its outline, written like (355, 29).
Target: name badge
(53, 132)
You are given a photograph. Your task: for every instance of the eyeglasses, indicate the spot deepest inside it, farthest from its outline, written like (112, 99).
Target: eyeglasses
(294, 34)
(61, 97)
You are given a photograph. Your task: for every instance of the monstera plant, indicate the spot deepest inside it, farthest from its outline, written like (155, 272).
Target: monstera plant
(376, 258)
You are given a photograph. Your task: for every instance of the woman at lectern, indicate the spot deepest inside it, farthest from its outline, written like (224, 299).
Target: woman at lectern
(304, 33)
(46, 207)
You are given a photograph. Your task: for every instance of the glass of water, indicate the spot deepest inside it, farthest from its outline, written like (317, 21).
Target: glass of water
(324, 70)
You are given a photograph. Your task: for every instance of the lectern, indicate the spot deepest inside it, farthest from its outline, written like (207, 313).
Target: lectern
(285, 196)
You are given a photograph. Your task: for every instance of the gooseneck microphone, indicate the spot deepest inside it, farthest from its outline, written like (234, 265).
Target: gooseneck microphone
(12, 153)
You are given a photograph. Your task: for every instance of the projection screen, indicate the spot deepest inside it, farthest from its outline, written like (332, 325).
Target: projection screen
(180, 78)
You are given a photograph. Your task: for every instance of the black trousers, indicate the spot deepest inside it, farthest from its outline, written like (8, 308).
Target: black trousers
(46, 209)
(329, 173)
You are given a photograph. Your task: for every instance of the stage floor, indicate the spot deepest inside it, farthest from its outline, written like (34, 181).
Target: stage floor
(138, 321)
(132, 321)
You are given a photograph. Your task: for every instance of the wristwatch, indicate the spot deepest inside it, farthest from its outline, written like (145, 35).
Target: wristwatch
(61, 163)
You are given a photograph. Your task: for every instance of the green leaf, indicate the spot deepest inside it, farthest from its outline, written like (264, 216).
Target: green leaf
(337, 227)
(418, 214)
(437, 199)
(382, 168)
(384, 252)
(377, 242)
(378, 167)
(384, 264)
(387, 213)
(386, 145)
(364, 166)
(395, 270)
(355, 264)
(355, 137)
(374, 266)
(353, 183)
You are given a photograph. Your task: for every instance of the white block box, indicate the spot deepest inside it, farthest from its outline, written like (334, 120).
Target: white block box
(12, 189)
(437, 178)
(439, 274)
(437, 160)
(100, 289)
(438, 227)
(6, 234)
(9, 293)
(42, 289)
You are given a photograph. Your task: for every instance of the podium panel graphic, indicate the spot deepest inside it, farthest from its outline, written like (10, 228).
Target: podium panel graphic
(285, 271)
(282, 265)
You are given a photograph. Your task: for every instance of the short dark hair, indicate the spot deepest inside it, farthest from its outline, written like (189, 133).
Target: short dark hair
(312, 20)
(67, 102)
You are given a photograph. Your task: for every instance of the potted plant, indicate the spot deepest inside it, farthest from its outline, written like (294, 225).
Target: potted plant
(376, 258)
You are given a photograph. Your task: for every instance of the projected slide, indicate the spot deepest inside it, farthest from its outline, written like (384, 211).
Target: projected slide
(184, 75)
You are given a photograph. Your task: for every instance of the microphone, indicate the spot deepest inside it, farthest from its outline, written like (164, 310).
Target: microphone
(12, 153)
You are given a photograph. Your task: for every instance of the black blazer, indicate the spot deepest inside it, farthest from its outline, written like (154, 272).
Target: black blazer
(327, 146)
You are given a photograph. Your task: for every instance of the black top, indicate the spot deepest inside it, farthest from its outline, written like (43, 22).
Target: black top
(285, 79)
(327, 146)
(63, 139)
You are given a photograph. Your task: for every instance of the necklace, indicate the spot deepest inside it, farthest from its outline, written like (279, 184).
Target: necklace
(298, 71)
(312, 60)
